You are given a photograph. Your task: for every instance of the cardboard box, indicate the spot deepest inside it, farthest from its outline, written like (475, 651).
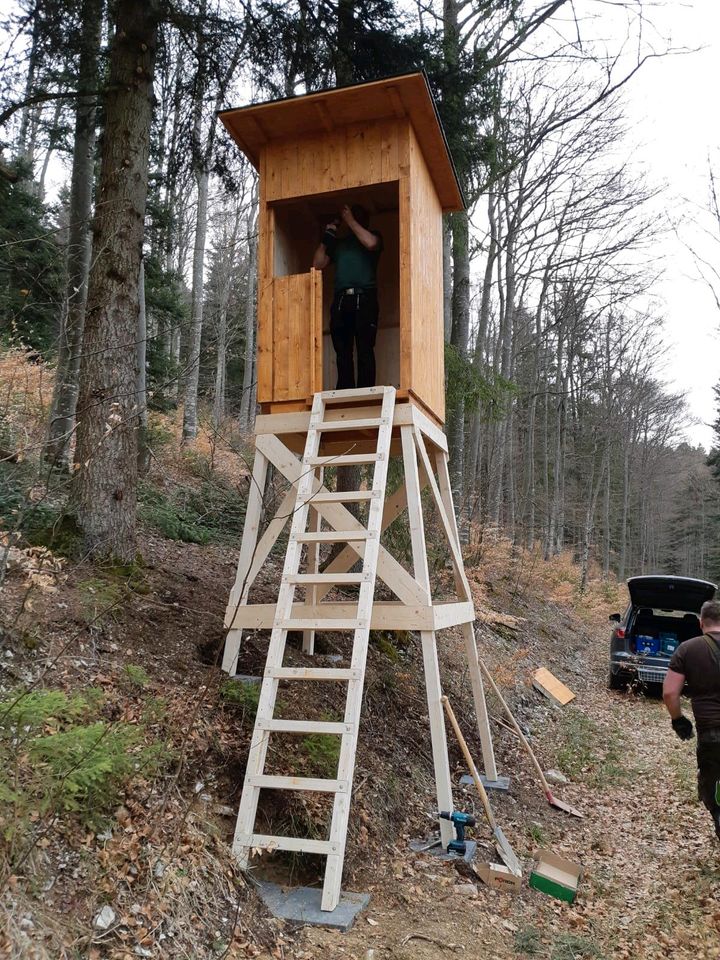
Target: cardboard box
(499, 876)
(556, 876)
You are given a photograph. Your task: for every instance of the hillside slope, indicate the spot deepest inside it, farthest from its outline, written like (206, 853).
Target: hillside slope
(124, 748)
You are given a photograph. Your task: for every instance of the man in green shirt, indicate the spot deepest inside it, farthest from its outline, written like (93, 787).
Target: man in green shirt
(354, 310)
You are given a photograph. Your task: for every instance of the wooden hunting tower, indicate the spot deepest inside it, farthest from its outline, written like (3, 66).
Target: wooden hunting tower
(380, 145)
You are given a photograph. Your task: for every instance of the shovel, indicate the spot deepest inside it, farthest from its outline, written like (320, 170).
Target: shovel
(501, 841)
(551, 799)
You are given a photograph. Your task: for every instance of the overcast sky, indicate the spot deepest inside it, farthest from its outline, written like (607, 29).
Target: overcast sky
(672, 104)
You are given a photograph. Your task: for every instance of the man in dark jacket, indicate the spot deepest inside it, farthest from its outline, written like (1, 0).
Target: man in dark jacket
(697, 663)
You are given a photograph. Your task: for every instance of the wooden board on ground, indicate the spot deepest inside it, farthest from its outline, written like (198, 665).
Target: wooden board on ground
(551, 687)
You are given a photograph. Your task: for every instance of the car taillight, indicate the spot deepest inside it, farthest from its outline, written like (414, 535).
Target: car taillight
(620, 633)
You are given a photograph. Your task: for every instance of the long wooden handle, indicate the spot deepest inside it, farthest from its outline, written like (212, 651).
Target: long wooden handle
(471, 765)
(516, 728)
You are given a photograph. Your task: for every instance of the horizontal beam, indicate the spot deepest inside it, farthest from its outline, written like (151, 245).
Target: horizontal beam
(386, 615)
(405, 414)
(313, 784)
(304, 726)
(312, 673)
(262, 841)
(332, 579)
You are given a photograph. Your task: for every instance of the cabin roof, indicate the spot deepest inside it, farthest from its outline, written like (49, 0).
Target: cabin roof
(407, 95)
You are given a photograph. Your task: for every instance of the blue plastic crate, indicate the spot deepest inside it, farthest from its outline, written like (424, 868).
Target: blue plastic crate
(647, 645)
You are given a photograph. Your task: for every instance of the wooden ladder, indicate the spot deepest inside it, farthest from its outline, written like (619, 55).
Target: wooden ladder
(265, 724)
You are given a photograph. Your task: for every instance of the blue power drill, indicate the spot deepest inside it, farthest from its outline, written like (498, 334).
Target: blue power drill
(460, 821)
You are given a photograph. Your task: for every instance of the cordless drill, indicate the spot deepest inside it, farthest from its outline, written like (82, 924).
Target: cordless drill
(459, 820)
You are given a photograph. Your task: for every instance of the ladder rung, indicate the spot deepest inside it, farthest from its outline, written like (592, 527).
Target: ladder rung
(315, 623)
(343, 459)
(339, 578)
(332, 536)
(296, 844)
(269, 782)
(342, 496)
(305, 726)
(327, 425)
(358, 393)
(312, 673)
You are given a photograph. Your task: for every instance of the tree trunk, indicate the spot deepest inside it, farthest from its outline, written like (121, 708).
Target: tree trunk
(475, 456)
(141, 374)
(104, 485)
(447, 279)
(25, 147)
(594, 491)
(459, 339)
(606, 512)
(247, 405)
(555, 506)
(219, 395)
(192, 375)
(625, 508)
(65, 391)
(344, 61)
(506, 364)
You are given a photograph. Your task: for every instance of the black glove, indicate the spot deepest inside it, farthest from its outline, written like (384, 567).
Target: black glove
(329, 238)
(683, 728)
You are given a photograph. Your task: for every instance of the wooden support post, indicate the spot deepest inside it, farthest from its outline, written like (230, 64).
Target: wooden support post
(468, 629)
(313, 565)
(481, 713)
(239, 592)
(443, 783)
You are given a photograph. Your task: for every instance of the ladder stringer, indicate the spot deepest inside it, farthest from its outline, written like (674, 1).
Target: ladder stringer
(307, 486)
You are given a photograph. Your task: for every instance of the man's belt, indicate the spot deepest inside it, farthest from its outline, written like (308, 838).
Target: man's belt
(352, 291)
(709, 736)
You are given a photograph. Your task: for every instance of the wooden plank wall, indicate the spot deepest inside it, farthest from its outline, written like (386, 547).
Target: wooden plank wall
(351, 156)
(423, 348)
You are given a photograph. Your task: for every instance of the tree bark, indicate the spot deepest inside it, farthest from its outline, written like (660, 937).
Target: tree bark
(65, 391)
(104, 485)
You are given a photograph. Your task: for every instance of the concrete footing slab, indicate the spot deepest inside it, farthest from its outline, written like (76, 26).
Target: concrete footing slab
(502, 783)
(302, 905)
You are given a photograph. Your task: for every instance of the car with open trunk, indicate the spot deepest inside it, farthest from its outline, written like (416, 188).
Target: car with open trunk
(663, 612)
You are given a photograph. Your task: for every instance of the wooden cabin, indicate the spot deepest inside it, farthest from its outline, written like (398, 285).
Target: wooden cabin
(379, 144)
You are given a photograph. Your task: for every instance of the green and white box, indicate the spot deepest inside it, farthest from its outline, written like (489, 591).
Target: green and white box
(556, 876)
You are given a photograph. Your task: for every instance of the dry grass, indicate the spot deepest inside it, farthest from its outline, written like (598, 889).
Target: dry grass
(557, 579)
(25, 396)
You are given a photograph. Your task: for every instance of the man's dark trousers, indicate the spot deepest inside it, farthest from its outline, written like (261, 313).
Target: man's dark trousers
(353, 324)
(708, 760)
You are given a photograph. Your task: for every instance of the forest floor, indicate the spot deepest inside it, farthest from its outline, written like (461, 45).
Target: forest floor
(121, 859)
(651, 866)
